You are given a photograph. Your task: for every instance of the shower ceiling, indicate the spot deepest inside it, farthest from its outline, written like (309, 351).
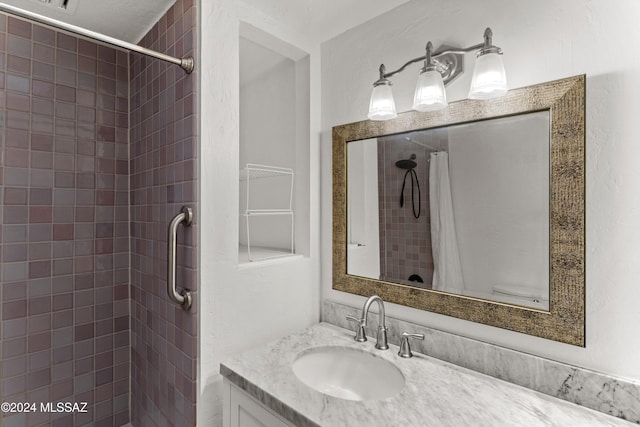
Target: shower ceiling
(127, 20)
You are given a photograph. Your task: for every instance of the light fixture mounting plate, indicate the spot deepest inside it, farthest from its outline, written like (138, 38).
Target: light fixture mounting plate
(450, 65)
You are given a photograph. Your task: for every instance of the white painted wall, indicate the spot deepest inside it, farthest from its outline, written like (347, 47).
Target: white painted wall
(243, 307)
(542, 41)
(268, 137)
(268, 110)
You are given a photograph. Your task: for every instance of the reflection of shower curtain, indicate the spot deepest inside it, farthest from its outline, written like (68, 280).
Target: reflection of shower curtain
(447, 274)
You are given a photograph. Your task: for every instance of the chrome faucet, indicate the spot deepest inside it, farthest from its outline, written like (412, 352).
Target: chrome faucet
(381, 344)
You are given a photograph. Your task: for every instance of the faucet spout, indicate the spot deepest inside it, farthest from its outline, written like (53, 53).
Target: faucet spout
(381, 343)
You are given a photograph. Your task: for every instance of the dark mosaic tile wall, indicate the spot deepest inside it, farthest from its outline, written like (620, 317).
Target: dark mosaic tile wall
(405, 242)
(65, 226)
(163, 178)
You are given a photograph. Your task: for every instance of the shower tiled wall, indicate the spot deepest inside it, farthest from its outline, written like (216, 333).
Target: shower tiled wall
(405, 241)
(65, 226)
(163, 178)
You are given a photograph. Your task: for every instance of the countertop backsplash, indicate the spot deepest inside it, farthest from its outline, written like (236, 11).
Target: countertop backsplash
(594, 390)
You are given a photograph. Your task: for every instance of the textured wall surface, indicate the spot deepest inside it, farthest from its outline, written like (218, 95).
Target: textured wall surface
(163, 178)
(570, 31)
(280, 296)
(65, 244)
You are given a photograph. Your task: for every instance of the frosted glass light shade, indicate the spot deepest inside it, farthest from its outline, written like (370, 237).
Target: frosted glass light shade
(382, 105)
(489, 79)
(430, 94)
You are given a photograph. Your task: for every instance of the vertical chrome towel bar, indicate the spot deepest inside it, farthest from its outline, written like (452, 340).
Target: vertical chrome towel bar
(184, 297)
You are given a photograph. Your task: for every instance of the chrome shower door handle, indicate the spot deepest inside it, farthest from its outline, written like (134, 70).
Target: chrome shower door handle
(184, 297)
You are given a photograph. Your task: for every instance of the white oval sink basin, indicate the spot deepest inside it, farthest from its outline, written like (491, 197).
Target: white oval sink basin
(348, 374)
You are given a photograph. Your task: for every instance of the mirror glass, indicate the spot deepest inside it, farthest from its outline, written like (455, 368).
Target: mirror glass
(461, 209)
(490, 225)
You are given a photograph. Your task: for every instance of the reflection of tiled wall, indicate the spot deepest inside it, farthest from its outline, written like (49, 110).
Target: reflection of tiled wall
(65, 245)
(405, 242)
(163, 178)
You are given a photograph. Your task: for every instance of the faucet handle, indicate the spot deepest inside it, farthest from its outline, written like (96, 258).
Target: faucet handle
(360, 335)
(405, 348)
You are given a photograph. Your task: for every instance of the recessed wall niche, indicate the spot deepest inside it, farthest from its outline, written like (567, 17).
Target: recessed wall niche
(274, 148)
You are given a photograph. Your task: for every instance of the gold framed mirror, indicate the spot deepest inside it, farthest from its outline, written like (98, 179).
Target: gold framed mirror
(562, 318)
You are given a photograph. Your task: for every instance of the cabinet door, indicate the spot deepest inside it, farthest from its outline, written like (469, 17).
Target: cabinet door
(244, 411)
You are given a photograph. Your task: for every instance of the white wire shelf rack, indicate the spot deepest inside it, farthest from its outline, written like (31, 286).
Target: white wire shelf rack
(281, 188)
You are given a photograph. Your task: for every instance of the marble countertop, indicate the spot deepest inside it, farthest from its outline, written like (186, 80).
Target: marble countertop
(436, 393)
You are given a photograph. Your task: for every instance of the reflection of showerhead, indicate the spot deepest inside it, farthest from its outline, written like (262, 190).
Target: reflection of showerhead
(407, 164)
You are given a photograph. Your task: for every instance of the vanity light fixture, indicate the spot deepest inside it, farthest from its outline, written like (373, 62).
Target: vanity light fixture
(430, 94)
(440, 68)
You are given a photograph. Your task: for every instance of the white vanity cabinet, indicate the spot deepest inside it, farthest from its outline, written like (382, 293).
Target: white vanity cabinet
(242, 410)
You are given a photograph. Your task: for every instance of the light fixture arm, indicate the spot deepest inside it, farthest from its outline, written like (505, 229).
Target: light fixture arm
(434, 57)
(457, 51)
